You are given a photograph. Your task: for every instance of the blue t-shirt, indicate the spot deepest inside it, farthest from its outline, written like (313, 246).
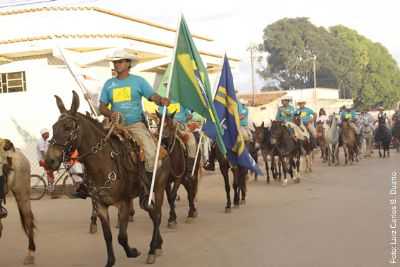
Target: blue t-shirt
(243, 111)
(348, 115)
(306, 114)
(125, 96)
(285, 114)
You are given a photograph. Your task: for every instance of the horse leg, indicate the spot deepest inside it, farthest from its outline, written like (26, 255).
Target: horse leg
(155, 215)
(345, 149)
(190, 196)
(131, 211)
(243, 185)
(285, 170)
(171, 201)
(102, 213)
(266, 168)
(27, 221)
(224, 170)
(236, 197)
(123, 228)
(379, 150)
(93, 218)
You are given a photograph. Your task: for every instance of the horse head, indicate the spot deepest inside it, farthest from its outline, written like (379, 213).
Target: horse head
(259, 133)
(67, 133)
(170, 126)
(277, 131)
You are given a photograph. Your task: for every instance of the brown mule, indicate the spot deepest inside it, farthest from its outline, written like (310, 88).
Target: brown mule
(115, 174)
(180, 174)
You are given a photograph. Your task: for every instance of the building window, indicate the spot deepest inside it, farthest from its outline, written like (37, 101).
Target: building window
(12, 82)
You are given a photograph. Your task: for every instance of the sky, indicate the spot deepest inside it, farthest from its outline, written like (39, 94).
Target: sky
(236, 24)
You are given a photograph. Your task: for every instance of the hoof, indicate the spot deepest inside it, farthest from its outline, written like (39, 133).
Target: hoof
(189, 220)
(236, 206)
(228, 210)
(159, 252)
(29, 260)
(93, 229)
(172, 225)
(297, 180)
(243, 202)
(151, 259)
(133, 253)
(131, 218)
(195, 214)
(284, 183)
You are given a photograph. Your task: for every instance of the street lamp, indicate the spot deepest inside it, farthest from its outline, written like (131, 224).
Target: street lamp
(252, 48)
(315, 79)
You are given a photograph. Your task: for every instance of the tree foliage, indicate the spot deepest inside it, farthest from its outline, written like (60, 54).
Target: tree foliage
(360, 68)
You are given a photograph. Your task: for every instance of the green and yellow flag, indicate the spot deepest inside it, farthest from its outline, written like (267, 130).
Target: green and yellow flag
(189, 81)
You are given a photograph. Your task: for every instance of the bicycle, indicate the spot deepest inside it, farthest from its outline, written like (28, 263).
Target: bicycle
(40, 185)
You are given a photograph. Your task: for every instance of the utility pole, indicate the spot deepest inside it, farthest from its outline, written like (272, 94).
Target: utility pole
(252, 48)
(315, 79)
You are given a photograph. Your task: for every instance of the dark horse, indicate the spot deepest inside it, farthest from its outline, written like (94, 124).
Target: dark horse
(179, 172)
(262, 136)
(350, 143)
(383, 137)
(239, 179)
(113, 172)
(396, 131)
(288, 151)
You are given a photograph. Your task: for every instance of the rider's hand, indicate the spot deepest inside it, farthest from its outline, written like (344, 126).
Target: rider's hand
(164, 101)
(115, 117)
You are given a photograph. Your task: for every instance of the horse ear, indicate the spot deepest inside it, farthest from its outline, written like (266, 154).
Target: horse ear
(158, 114)
(75, 103)
(262, 124)
(173, 114)
(60, 104)
(254, 125)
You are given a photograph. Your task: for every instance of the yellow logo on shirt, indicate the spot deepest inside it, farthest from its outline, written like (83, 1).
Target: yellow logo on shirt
(121, 94)
(303, 114)
(175, 107)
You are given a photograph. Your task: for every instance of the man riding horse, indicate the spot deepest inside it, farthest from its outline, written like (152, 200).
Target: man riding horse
(285, 112)
(124, 93)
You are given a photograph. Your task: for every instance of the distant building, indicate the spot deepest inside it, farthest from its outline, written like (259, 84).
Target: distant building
(32, 70)
(266, 104)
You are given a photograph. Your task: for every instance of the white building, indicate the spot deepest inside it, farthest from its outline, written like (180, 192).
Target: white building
(32, 70)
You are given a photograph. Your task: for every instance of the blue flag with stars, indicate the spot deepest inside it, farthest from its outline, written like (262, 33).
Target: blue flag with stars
(226, 105)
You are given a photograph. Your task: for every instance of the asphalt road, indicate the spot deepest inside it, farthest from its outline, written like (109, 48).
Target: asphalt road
(336, 216)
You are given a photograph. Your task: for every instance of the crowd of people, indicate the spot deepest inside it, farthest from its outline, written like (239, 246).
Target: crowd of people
(120, 101)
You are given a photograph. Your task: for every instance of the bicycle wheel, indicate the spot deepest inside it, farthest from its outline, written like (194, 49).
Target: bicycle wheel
(69, 186)
(38, 187)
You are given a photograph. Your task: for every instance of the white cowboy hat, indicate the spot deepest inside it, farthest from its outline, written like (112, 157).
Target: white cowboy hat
(286, 98)
(301, 101)
(121, 54)
(43, 131)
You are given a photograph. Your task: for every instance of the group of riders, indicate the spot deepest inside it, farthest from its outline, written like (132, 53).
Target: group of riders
(120, 101)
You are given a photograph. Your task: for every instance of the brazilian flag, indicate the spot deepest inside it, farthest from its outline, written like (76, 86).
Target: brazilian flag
(189, 81)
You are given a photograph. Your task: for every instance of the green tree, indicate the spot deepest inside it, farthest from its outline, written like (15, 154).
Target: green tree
(360, 68)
